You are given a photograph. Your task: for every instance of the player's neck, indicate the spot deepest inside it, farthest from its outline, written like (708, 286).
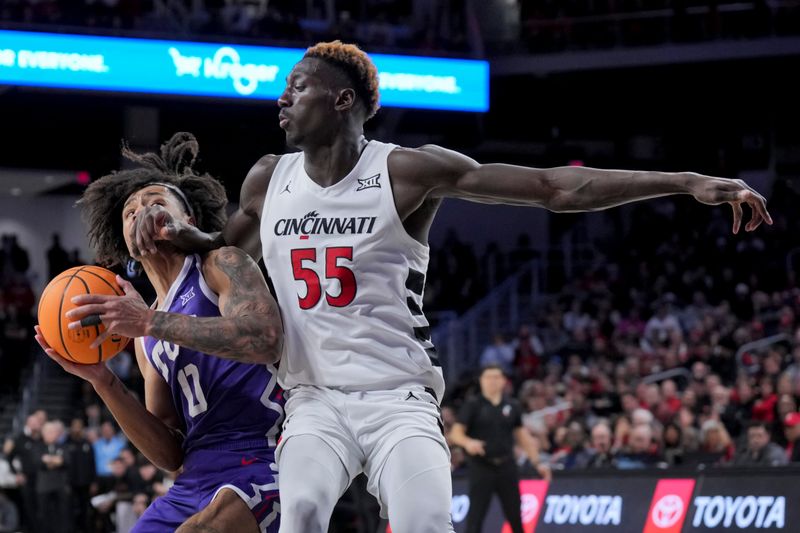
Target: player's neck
(162, 270)
(328, 164)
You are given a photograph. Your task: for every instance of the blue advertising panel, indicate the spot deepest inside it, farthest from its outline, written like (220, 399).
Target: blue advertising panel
(221, 70)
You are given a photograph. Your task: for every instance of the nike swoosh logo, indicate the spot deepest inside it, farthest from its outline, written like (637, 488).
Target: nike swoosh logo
(246, 462)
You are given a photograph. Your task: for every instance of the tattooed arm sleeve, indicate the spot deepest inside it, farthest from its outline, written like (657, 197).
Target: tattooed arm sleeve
(250, 328)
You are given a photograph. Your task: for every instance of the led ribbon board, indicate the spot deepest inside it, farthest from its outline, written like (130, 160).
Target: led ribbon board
(221, 70)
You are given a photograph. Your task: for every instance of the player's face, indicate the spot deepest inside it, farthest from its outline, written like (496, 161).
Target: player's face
(145, 197)
(307, 113)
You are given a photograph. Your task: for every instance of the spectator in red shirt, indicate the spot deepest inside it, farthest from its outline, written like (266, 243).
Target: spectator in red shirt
(764, 406)
(669, 392)
(791, 424)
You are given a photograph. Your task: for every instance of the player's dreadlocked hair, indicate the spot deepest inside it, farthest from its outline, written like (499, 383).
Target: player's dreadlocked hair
(358, 67)
(103, 200)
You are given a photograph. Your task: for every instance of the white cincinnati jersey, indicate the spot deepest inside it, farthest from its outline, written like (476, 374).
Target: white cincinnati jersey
(349, 280)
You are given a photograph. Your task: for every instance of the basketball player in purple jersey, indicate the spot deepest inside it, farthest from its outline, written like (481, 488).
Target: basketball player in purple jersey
(213, 406)
(343, 229)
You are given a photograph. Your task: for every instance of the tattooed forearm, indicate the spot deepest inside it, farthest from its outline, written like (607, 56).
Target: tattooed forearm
(245, 339)
(249, 329)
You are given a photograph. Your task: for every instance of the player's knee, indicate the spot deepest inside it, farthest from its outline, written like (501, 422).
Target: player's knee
(410, 514)
(304, 512)
(423, 521)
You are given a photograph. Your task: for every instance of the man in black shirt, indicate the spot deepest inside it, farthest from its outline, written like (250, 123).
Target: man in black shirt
(52, 480)
(81, 473)
(487, 427)
(19, 453)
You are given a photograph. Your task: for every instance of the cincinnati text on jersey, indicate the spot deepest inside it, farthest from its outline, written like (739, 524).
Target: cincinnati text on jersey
(313, 224)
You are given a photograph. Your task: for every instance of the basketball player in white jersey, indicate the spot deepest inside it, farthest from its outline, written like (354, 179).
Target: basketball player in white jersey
(343, 227)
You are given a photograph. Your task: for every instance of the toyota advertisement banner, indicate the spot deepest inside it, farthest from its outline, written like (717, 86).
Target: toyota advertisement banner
(732, 501)
(596, 505)
(746, 503)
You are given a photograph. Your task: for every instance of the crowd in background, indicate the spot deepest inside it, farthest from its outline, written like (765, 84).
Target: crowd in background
(81, 478)
(16, 303)
(547, 26)
(679, 294)
(414, 24)
(447, 26)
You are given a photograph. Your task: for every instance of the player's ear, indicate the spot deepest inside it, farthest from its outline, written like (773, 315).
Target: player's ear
(345, 100)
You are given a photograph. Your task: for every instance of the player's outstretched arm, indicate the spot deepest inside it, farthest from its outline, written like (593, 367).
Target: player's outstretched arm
(154, 223)
(151, 428)
(243, 228)
(445, 173)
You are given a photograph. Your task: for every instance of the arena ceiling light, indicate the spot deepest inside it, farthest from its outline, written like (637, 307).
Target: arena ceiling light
(127, 65)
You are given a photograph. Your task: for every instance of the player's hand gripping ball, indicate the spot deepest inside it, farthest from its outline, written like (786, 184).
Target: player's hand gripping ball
(56, 300)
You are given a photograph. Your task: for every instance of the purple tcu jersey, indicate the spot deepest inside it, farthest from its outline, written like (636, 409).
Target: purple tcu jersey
(223, 404)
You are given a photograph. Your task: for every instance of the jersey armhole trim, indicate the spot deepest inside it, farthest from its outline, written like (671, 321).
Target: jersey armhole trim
(397, 222)
(204, 288)
(149, 362)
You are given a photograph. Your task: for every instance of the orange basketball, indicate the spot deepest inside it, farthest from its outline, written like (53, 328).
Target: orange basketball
(73, 344)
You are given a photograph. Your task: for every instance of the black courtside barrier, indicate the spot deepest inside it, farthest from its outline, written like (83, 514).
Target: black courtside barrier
(650, 501)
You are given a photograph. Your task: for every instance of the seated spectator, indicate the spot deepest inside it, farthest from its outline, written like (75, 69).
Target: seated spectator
(140, 503)
(671, 399)
(528, 351)
(760, 451)
(743, 398)
(724, 409)
(576, 454)
(641, 417)
(791, 424)
(785, 406)
(641, 452)
(499, 353)
(690, 436)
(111, 489)
(662, 326)
(764, 406)
(673, 444)
(107, 448)
(145, 476)
(715, 441)
(602, 455)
